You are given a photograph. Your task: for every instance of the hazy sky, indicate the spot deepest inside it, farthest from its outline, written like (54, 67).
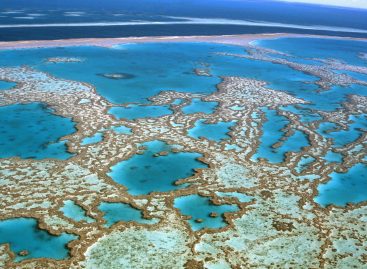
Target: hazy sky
(342, 3)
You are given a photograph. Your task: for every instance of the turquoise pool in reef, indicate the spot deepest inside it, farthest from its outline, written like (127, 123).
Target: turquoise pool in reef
(96, 138)
(357, 125)
(151, 172)
(199, 106)
(200, 209)
(75, 212)
(304, 163)
(273, 131)
(333, 157)
(4, 85)
(343, 188)
(211, 131)
(116, 212)
(305, 114)
(32, 131)
(122, 130)
(133, 112)
(23, 234)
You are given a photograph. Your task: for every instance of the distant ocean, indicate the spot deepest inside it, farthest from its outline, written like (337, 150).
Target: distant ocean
(38, 20)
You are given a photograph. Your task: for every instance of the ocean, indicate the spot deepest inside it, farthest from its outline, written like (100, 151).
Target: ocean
(38, 20)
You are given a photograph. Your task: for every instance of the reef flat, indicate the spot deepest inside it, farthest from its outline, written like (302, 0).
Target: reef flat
(228, 152)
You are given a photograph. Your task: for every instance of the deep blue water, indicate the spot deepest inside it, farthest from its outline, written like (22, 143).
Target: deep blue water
(146, 173)
(198, 207)
(294, 18)
(23, 234)
(33, 131)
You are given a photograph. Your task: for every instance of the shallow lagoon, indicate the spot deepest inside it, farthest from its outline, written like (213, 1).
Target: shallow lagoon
(273, 133)
(4, 85)
(133, 112)
(75, 212)
(116, 212)
(356, 127)
(343, 188)
(199, 106)
(96, 138)
(159, 71)
(33, 131)
(151, 172)
(23, 235)
(211, 131)
(200, 208)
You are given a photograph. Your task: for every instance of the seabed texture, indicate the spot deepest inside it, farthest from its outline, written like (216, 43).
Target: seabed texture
(248, 209)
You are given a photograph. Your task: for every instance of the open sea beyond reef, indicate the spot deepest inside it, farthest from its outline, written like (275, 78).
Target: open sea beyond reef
(25, 20)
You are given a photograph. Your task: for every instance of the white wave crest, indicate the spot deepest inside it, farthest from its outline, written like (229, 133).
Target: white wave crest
(194, 21)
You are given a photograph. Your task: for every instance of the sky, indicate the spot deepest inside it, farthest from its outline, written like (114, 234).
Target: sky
(341, 3)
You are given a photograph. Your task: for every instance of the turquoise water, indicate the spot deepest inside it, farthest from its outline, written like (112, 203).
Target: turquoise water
(355, 75)
(159, 70)
(177, 101)
(304, 163)
(333, 157)
(146, 173)
(133, 112)
(305, 114)
(122, 130)
(198, 106)
(356, 127)
(23, 234)
(4, 85)
(211, 131)
(345, 50)
(153, 66)
(115, 212)
(343, 188)
(273, 133)
(75, 212)
(33, 131)
(198, 207)
(96, 138)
